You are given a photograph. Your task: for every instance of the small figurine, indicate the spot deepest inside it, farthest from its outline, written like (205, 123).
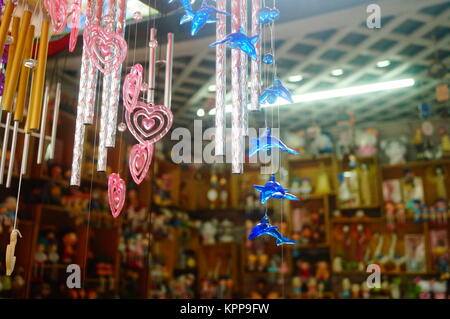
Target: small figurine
(444, 143)
(346, 288)
(305, 186)
(322, 271)
(395, 149)
(366, 142)
(209, 233)
(69, 241)
(400, 214)
(323, 186)
(297, 287)
(390, 215)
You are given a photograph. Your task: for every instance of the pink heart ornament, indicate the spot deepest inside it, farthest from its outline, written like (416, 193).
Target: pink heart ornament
(149, 123)
(140, 160)
(57, 9)
(107, 50)
(132, 87)
(75, 20)
(116, 194)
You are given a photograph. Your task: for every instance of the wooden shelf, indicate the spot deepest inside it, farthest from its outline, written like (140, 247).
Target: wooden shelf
(350, 220)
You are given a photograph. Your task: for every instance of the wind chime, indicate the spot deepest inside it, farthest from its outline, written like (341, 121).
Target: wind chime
(147, 122)
(22, 28)
(104, 51)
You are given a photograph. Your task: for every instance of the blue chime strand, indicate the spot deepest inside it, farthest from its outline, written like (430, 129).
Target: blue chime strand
(271, 94)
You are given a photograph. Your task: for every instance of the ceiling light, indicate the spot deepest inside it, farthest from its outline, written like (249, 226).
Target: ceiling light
(200, 112)
(295, 78)
(337, 72)
(212, 88)
(383, 64)
(331, 94)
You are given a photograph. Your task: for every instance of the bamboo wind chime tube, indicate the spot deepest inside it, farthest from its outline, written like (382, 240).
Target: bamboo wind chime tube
(255, 89)
(221, 79)
(244, 70)
(4, 27)
(20, 100)
(17, 62)
(153, 44)
(102, 157)
(114, 97)
(237, 145)
(39, 78)
(168, 76)
(12, 51)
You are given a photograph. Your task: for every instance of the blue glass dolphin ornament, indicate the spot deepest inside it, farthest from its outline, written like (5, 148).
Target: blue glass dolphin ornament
(266, 142)
(267, 15)
(241, 41)
(273, 189)
(201, 17)
(185, 3)
(277, 90)
(266, 228)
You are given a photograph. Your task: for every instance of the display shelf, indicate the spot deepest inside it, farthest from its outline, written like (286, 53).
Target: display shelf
(352, 220)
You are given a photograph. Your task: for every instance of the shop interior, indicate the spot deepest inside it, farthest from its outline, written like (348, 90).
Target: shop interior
(353, 192)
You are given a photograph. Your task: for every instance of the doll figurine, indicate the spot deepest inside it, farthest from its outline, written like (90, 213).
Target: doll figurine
(337, 264)
(251, 259)
(390, 215)
(69, 241)
(263, 259)
(444, 142)
(312, 288)
(346, 288)
(442, 211)
(400, 214)
(356, 291)
(304, 270)
(365, 290)
(323, 183)
(322, 271)
(297, 287)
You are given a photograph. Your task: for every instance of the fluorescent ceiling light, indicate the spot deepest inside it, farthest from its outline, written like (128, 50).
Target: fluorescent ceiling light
(331, 94)
(337, 72)
(383, 64)
(212, 88)
(295, 78)
(200, 112)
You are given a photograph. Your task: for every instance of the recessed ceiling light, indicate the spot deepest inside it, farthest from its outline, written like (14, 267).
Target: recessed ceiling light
(383, 64)
(337, 93)
(200, 112)
(295, 78)
(337, 72)
(212, 88)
